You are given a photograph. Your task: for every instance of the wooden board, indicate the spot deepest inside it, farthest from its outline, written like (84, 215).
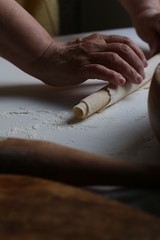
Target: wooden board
(63, 164)
(32, 208)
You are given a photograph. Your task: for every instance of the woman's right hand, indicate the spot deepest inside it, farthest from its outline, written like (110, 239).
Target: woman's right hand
(111, 58)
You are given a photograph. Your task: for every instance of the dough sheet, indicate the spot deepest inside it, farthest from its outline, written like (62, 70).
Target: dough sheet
(107, 96)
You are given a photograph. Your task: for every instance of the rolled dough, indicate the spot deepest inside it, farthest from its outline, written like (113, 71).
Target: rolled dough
(107, 96)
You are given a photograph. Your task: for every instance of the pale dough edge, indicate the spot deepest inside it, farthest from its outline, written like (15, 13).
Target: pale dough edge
(89, 106)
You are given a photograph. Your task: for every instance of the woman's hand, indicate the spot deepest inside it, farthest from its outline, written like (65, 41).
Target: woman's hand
(147, 24)
(111, 58)
(25, 43)
(145, 15)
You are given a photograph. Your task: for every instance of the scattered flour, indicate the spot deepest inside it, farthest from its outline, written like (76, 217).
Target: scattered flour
(34, 123)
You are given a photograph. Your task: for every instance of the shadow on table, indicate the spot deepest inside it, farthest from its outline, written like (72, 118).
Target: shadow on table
(63, 96)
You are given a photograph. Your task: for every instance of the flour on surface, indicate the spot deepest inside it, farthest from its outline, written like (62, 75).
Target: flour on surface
(32, 123)
(122, 131)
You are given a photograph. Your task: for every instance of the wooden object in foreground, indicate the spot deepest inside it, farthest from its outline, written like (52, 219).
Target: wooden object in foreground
(154, 102)
(38, 209)
(59, 163)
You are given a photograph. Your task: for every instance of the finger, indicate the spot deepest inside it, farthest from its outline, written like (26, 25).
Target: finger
(97, 71)
(114, 62)
(125, 52)
(130, 43)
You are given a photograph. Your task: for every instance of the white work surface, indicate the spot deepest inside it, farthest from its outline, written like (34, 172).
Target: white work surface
(30, 109)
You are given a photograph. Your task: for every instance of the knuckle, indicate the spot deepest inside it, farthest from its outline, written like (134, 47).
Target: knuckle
(79, 40)
(114, 76)
(139, 66)
(125, 48)
(109, 38)
(97, 68)
(113, 57)
(126, 40)
(132, 72)
(95, 35)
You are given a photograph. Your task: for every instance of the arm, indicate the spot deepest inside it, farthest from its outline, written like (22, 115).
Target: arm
(135, 7)
(22, 39)
(145, 15)
(26, 44)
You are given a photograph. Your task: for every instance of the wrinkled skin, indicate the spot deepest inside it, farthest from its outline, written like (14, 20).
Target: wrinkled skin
(25, 43)
(145, 16)
(108, 57)
(147, 24)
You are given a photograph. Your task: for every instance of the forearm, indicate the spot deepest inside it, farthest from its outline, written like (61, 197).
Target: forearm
(22, 39)
(27, 45)
(135, 7)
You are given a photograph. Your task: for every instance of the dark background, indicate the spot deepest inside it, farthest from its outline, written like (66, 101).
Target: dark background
(91, 15)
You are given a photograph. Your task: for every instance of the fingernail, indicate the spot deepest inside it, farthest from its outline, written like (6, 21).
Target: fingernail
(122, 81)
(139, 78)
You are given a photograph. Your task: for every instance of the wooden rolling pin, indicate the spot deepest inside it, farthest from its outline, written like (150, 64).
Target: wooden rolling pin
(36, 209)
(51, 161)
(154, 102)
